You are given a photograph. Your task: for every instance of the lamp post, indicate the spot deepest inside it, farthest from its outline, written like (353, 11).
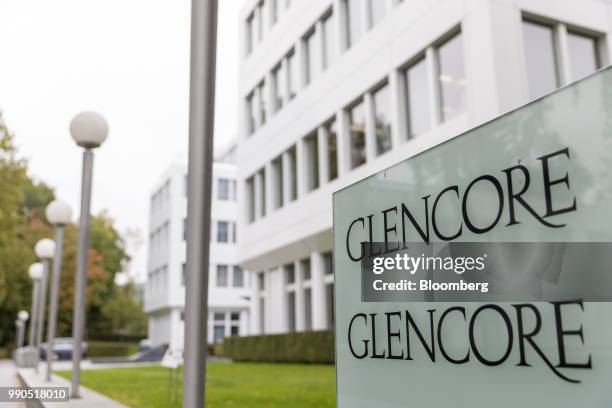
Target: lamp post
(201, 127)
(45, 248)
(36, 272)
(89, 130)
(22, 317)
(59, 214)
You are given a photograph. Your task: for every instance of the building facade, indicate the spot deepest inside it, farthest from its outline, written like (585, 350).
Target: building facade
(335, 90)
(229, 285)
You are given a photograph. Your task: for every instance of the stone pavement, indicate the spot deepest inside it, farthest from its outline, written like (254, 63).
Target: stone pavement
(9, 378)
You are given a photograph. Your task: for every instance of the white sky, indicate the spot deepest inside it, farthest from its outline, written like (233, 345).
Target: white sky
(128, 60)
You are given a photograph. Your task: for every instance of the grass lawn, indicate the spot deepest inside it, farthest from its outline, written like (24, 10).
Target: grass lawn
(252, 385)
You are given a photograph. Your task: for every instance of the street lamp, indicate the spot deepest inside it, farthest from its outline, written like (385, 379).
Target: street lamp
(22, 318)
(36, 272)
(89, 130)
(45, 248)
(59, 214)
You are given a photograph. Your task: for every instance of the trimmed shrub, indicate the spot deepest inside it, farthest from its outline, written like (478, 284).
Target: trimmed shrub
(111, 349)
(302, 347)
(217, 349)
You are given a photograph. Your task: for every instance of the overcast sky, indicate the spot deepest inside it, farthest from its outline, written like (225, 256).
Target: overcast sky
(128, 60)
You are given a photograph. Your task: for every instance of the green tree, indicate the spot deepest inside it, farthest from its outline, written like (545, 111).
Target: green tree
(124, 312)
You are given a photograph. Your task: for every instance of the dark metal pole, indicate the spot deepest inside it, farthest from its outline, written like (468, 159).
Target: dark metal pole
(80, 279)
(201, 126)
(54, 295)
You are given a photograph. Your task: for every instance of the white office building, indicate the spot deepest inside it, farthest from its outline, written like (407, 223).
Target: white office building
(229, 285)
(335, 90)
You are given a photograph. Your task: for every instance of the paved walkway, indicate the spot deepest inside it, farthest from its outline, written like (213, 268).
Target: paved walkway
(89, 398)
(8, 378)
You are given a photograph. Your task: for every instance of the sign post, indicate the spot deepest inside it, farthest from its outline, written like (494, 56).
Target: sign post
(477, 273)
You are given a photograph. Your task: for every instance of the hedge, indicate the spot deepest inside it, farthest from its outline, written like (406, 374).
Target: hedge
(111, 349)
(302, 347)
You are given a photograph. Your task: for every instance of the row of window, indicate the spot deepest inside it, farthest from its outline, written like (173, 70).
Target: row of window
(157, 279)
(548, 46)
(265, 14)
(439, 69)
(160, 197)
(292, 295)
(159, 237)
(225, 189)
(222, 232)
(318, 52)
(226, 276)
(319, 47)
(225, 323)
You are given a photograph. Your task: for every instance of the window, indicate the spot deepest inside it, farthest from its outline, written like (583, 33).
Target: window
(328, 260)
(583, 55)
(222, 231)
(308, 308)
(291, 311)
(262, 102)
(353, 23)
(184, 274)
(293, 192)
(219, 333)
(329, 294)
(378, 10)
(250, 33)
(418, 99)
(329, 45)
(382, 110)
(290, 273)
(332, 150)
(259, 21)
(234, 233)
(222, 276)
(279, 79)
(250, 190)
(273, 11)
(262, 193)
(184, 229)
(277, 174)
(312, 159)
(452, 78)
(305, 269)
(251, 109)
(262, 315)
(238, 277)
(357, 132)
(292, 79)
(310, 57)
(261, 281)
(540, 53)
(223, 192)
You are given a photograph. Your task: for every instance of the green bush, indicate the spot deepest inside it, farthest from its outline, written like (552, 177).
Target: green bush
(303, 347)
(111, 349)
(217, 349)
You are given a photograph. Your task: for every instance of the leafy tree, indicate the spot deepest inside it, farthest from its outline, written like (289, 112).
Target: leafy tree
(124, 312)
